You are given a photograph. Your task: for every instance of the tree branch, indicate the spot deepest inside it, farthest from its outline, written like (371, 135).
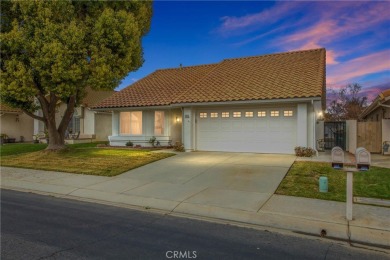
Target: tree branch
(68, 114)
(34, 116)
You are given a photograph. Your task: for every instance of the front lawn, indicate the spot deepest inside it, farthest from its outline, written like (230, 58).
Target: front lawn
(84, 159)
(302, 181)
(18, 148)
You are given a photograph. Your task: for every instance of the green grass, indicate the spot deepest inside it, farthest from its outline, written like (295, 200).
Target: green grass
(19, 148)
(83, 159)
(302, 181)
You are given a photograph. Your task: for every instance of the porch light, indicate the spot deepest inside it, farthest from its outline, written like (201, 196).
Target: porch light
(177, 119)
(320, 115)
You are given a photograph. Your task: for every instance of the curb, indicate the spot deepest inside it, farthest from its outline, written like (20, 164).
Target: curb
(264, 220)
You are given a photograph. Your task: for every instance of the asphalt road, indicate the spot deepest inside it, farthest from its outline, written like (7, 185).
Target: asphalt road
(43, 227)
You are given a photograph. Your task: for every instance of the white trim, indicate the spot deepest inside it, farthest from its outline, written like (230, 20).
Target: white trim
(249, 102)
(224, 103)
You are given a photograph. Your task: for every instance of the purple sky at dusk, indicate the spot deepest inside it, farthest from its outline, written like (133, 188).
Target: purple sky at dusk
(355, 34)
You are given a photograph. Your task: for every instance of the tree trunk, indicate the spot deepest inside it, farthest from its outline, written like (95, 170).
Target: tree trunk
(56, 139)
(56, 135)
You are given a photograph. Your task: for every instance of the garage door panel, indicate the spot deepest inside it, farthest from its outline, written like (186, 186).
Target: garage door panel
(247, 134)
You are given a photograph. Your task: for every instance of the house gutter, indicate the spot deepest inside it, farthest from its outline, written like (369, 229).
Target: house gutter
(221, 103)
(247, 102)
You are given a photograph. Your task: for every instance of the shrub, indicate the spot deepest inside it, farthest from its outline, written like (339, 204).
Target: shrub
(152, 140)
(304, 151)
(129, 143)
(178, 147)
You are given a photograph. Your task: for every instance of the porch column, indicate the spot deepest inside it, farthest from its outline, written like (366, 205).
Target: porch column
(188, 129)
(302, 125)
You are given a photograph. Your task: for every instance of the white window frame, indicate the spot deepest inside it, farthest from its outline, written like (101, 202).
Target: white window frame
(203, 115)
(288, 113)
(213, 114)
(237, 114)
(275, 113)
(120, 123)
(249, 114)
(262, 113)
(225, 114)
(163, 123)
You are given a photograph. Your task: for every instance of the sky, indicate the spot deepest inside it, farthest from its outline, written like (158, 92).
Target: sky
(356, 35)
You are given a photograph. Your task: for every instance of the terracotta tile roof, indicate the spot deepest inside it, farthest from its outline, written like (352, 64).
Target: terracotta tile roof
(94, 97)
(7, 109)
(158, 88)
(382, 98)
(275, 76)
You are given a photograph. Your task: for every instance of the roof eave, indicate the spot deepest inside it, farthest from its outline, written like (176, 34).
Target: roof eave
(247, 102)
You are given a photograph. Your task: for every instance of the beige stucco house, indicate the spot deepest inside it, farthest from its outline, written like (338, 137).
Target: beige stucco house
(266, 104)
(91, 124)
(16, 124)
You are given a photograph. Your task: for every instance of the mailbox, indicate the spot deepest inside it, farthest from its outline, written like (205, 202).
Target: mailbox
(363, 159)
(337, 158)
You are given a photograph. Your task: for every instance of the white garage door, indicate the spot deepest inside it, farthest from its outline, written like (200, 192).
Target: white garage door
(268, 130)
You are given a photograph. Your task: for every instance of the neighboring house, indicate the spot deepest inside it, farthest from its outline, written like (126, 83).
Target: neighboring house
(15, 123)
(90, 124)
(379, 108)
(378, 111)
(265, 104)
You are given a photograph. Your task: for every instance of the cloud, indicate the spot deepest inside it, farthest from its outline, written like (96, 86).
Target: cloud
(242, 24)
(359, 67)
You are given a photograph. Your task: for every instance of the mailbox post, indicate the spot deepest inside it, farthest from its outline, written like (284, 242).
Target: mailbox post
(363, 162)
(349, 198)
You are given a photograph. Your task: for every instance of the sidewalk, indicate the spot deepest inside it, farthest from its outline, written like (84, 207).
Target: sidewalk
(371, 224)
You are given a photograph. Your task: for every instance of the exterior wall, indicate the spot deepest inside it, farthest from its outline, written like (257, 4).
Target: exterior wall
(351, 141)
(103, 126)
(88, 125)
(311, 127)
(302, 125)
(189, 129)
(172, 131)
(385, 130)
(176, 125)
(319, 132)
(15, 129)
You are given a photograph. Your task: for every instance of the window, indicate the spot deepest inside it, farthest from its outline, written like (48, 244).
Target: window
(288, 113)
(131, 123)
(214, 115)
(225, 114)
(261, 114)
(159, 119)
(248, 114)
(203, 115)
(274, 113)
(236, 114)
(74, 125)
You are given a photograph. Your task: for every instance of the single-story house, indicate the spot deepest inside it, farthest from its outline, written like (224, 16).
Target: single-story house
(15, 124)
(264, 104)
(379, 109)
(91, 124)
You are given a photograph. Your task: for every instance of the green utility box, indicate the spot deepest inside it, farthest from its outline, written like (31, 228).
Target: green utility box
(323, 182)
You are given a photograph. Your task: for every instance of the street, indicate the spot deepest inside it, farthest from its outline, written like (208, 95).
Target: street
(42, 227)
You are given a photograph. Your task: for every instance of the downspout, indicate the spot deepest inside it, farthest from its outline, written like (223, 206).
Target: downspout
(182, 126)
(314, 128)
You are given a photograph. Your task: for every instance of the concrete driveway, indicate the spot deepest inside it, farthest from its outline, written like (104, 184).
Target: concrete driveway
(243, 181)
